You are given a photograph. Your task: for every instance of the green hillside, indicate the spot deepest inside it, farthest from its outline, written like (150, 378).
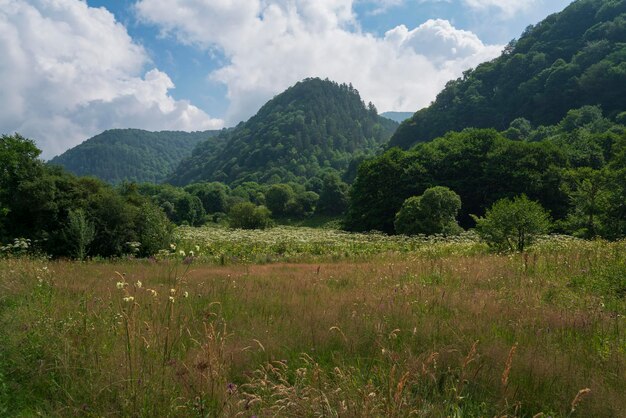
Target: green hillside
(316, 125)
(136, 155)
(573, 58)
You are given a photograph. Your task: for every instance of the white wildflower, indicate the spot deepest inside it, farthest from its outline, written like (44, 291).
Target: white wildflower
(120, 285)
(139, 284)
(128, 299)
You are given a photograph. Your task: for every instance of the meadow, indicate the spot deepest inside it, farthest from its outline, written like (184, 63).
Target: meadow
(318, 323)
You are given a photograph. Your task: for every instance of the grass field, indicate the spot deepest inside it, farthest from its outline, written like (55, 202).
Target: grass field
(259, 325)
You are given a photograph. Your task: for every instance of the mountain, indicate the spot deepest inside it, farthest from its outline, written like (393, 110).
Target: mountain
(314, 126)
(117, 155)
(573, 58)
(397, 116)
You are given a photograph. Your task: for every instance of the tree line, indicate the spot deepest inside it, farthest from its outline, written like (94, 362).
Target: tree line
(575, 169)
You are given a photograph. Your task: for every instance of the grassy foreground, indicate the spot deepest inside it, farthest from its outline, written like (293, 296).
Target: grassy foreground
(422, 333)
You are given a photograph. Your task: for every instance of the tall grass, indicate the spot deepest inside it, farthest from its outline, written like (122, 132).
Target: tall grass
(415, 333)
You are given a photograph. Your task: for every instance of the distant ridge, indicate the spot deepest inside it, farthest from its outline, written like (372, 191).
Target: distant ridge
(397, 116)
(314, 126)
(119, 155)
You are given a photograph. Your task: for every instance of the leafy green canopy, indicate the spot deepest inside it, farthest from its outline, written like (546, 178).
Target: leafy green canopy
(574, 169)
(65, 215)
(119, 155)
(315, 125)
(513, 224)
(434, 212)
(573, 58)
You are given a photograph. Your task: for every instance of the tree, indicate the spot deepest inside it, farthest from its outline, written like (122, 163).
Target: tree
(381, 186)
(513, 224)
(434, 212)
(79, 233)
(154, 230)
(277, 198)
(248, 216)
(589, 197)
(19, 162)
(333, 196)
(212, 195)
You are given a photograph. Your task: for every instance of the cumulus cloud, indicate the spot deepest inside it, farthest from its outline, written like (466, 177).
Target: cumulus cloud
(271, 44)
(70, 71)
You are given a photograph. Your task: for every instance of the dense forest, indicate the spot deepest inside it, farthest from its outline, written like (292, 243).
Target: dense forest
(119, 155)
(575, 169)
(313, 127)
(571, 59)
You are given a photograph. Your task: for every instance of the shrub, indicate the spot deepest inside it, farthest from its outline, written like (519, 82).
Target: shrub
(248, 216)
(513, 224)
(434, 212)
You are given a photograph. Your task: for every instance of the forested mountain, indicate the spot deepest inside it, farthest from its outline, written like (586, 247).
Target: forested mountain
(573, 58)
(314, 126)
(136, 155)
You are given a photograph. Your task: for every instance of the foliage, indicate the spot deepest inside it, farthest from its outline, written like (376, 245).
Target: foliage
(119, 155)
(278, 197)
(248, 216)
(554, 165)
(513, 224)
(382, 185)
(79, 233)
(64, 215)
(333, 197)
(434, 212)
(313, 126)
(571, 59)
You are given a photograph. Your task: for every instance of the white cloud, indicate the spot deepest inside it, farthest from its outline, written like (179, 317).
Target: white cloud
(70, 71)
(271, 44)
(508, 7)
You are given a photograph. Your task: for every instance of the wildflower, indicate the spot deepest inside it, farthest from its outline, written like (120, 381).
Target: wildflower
(172, 292)
(197, 248)
(172, 299)
(173, 247)
(191, 253)
(139, 284)
(186, 294)
(153, 292)
(182, 253)
(128, 299)
(120, 285)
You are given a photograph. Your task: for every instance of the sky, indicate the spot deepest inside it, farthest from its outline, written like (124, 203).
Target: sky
(71, 69)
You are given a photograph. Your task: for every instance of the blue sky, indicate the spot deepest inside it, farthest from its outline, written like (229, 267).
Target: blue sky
(188, 66)
(75, 68)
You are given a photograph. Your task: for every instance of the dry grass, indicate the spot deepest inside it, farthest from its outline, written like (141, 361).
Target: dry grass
(481, 335)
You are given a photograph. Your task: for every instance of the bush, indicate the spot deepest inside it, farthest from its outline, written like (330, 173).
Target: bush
(154, 230)
(248, 216)
(434, 212)
(513, 224)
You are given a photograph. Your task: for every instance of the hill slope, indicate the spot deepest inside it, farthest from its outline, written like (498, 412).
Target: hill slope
(397, 116)
(314, 125)
(573, 58)
(132, 154)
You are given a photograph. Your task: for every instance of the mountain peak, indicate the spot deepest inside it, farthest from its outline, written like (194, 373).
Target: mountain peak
(312, 126)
